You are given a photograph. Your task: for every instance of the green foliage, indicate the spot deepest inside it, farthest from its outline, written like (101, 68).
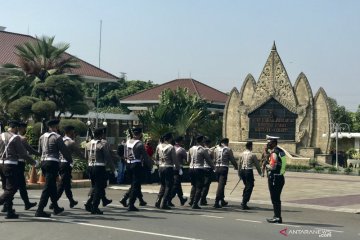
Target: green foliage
(339, 113)
(80, 127)
(80, 108)
(80, 165)
(332, 170)
(20, 108)
(297, 168)
(31, 136)
(178, 112)
(348, 170)
(319, 169)
(43, 109)
(312, 162)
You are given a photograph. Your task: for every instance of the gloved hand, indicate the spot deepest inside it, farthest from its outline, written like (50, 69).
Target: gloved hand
(71, 165)
(37, 164)
(153, 170)
(181, 172)
(115, 173)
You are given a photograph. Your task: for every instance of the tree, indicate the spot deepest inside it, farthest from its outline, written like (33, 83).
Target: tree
(356, 120)
(178, 112)
(339, 114)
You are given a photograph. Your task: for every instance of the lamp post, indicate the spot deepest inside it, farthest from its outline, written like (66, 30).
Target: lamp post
(337, 127)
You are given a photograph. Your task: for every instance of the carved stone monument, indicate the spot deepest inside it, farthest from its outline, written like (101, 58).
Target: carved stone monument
(272, 106)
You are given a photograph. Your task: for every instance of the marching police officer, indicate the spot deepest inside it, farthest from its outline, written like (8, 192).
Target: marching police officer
(208, 173)
(51, 145)
(223, 156)
(136, 158)
(197, 156)
(276, 170)
(246, 163)
(66, 166)
(99, 156)
(11, 150)
(181, 157)
(165, 156)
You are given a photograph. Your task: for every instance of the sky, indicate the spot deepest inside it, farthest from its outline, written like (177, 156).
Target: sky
(215, 42)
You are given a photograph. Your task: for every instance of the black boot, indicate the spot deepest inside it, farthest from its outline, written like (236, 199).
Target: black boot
(277, 214)
(203, 202)
(88, 207)
(223, 202)
(123, 201)
(57, 210)
(73, 203)
(183, 200)
(5, 208)
(96, 211)
(170, 204)
(11, 214)
(217, 204)
(41, 213)
(29, 205)
(142, 202)
(195, 206)
(164, 204)
(106, 202)
(132, 208)
(158, 202)
(244, 206)
(51, 206)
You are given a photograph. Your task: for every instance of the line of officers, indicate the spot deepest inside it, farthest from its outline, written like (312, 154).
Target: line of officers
(56, 159)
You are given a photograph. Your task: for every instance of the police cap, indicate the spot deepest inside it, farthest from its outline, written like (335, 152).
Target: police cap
(98, 132)
(179, 139)
(53, 122)
(207, 140)
(224, 140)
(272, 138)
(13, 123)
(200, 139)
(23, 124)
(69, 128)
(167, 136)
(137, 130)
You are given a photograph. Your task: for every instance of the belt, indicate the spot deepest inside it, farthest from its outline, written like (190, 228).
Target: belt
(166, 165)
(51, 159)
(133, 161)
(10, 162)
(221, 165)
(21, 160)
(96, 164)
(247, 168)
(63, 160)
(202, 167)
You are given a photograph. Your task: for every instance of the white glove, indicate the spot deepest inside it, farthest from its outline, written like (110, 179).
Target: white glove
(37, 164)
(71, 165)
(115, 173)
(181, 172)
(153, 170)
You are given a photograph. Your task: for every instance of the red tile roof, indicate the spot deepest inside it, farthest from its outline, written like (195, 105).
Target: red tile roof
(194, 87)
(9, 40)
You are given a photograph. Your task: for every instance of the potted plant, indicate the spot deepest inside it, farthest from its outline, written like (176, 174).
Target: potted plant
(79, 168)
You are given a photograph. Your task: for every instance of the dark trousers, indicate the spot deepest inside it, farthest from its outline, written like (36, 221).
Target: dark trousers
(65, 181)
(221, 177)
(276, 183)
(50, 170)
(208, 175)
(22, 184)
(135, 171)
(197, 183)
(98, 184)
(10, 173)
(247, 176)
(166, 175)
(177, 189)
(2, 176)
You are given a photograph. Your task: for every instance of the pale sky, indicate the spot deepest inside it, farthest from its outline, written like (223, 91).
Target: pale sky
(215, 42)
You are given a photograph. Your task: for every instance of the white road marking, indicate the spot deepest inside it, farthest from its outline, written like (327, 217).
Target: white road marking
(247, 220)
(120, 229)
(286, 225)
(210, 216)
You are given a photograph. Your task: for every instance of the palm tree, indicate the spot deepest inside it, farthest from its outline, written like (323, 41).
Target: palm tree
(37, 61)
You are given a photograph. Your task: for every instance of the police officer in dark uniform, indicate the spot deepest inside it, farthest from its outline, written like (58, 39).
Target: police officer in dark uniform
(223, 156)
(208, 173)
(247, 162)
(136, 158)
(11, 150)
(166, 160)
(99, 156)
(181, 156)
(66, 166)
(197, 157)
(51, 145)
(276, 170)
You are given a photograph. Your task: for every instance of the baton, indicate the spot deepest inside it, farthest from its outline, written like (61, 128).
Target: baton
(236, 186)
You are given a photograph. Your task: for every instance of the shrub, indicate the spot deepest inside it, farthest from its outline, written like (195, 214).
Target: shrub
(332, 170)
(80, 165)
(313, 162)
(42, 109)
(80, 127)
(319, 169)
(348, 170)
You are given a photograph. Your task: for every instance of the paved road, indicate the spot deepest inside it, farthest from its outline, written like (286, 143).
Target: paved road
(178, 223)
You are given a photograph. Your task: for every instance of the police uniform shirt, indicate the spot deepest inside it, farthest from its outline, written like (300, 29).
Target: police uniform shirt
(197, 157)
(223, 157)
(98, 153)
(12, 149)
(139, 152)
(181, 155)
(73, 148)
(211, 154)
(29, 149)
(55, 145)
(248, 160)
(165, 155)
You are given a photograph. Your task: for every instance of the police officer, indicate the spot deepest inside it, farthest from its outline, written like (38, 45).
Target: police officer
(136, 157)
(181, 157)
(165, 156)
(99, 156)
(11, 150)
(276, 180)
(197, 157)
(208, 173)
(22, 181)
(223, 156)
(51, 145)
(247, 162)
(66, 166)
